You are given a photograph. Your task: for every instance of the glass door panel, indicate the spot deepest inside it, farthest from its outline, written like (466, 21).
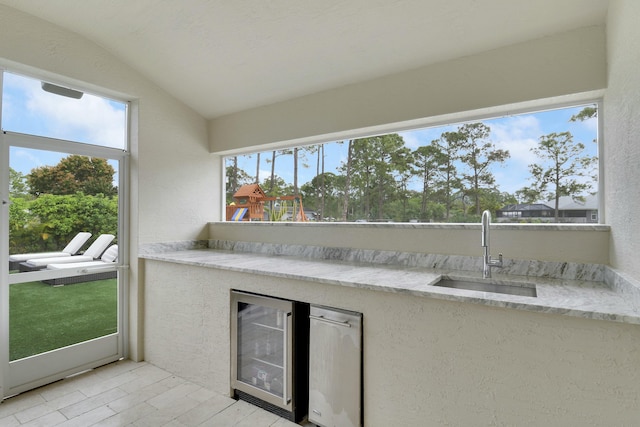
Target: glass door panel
(44, 317)
(63, 282)
(63, 223)
(261, 347)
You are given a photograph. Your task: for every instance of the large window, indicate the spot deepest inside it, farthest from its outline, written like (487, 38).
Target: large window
(531, 167)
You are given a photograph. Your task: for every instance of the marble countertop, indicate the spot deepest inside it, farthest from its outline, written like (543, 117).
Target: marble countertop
(587, 299)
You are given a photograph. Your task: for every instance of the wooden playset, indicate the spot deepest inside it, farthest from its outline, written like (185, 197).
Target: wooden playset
(249, 204)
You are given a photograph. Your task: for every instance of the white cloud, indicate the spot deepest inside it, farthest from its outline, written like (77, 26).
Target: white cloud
(518, 135)
(417, 138)
(28, 157)
(24, 160)
(591, 124)
(412, 140)
(90, 119)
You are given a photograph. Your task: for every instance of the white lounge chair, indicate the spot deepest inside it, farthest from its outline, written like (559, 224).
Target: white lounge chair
(92, 253)
(74, 246)
(109, 257)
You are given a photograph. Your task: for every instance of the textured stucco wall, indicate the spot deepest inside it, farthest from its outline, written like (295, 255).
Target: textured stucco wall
(426, 362)
(622, 135)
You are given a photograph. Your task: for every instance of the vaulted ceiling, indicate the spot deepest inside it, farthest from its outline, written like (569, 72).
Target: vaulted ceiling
(224, 56)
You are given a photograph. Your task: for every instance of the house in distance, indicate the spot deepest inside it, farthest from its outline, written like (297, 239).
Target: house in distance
(570, 210)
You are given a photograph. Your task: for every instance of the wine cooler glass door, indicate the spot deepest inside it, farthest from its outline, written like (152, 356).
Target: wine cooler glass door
(263, 347)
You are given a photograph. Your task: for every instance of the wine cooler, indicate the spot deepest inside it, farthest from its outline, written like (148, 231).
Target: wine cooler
(270, 353)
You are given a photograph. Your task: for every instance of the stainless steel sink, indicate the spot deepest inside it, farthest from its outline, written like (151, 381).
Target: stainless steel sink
(522, 289)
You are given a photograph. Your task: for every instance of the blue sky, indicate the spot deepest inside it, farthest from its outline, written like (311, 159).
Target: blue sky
(26, 108)
(515, 133)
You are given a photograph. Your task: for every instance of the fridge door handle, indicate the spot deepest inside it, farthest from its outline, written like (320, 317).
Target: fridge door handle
(286, 374)
(333, 322)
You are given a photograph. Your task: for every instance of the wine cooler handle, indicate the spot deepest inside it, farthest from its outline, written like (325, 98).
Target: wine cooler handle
(346, 323)
(286, 374)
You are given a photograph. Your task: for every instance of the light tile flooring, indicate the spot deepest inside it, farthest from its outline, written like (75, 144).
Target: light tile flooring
(127, 393)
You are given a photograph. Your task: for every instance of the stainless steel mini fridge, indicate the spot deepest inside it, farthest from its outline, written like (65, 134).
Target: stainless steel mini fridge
(335, 367)
(270, 353)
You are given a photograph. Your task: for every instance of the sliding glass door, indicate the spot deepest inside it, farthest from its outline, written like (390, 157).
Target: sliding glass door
(64, 238)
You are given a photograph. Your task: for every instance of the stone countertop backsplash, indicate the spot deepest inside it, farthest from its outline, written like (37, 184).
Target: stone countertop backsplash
(581, 290)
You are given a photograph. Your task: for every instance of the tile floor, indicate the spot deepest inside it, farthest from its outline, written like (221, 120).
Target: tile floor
(127, 393)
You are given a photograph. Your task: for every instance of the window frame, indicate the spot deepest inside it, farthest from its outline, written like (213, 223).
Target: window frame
(459, 118)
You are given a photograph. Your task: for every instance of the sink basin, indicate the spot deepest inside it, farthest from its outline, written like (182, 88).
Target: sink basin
(522, 289)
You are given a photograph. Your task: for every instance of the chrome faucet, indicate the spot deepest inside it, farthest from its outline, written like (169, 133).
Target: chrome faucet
(487, 262)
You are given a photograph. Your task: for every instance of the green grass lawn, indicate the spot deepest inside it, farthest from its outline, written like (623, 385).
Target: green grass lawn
(44, 317)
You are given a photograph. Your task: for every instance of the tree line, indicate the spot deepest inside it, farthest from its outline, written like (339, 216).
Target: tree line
(51, 204)
(454, 172)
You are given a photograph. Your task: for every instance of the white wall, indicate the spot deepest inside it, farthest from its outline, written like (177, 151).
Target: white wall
(170, 161)
(557, 65)
(622, 135)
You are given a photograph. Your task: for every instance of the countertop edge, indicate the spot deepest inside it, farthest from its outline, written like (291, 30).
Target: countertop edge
(421, 225)
(194, 257)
